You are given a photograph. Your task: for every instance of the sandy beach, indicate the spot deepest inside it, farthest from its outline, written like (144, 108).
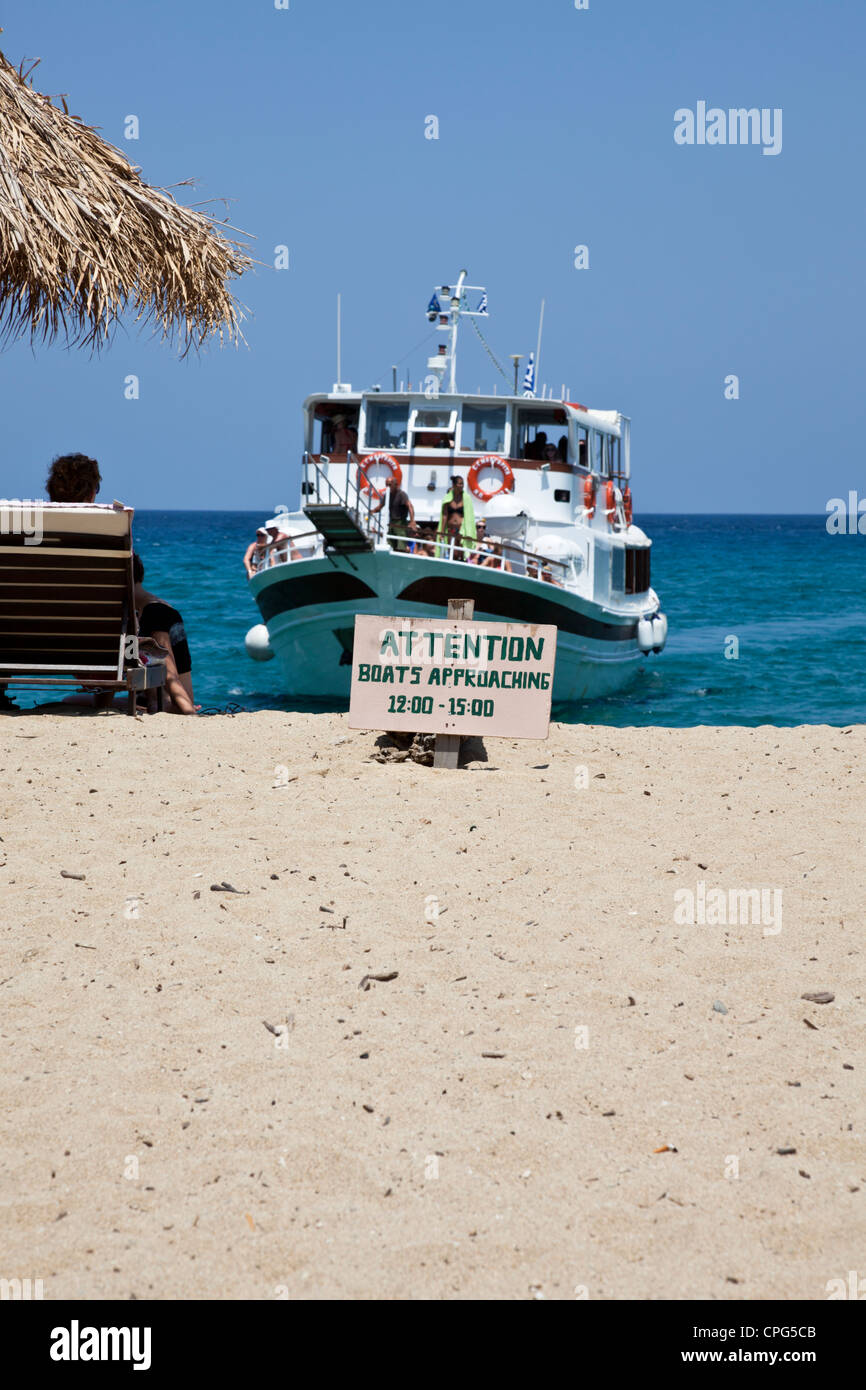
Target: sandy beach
(563, 1091)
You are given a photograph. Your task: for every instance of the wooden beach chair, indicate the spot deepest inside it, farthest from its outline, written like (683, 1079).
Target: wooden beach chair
(67, 612)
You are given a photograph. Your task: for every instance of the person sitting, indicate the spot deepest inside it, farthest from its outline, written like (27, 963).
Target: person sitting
(547, 576)
(73, 478)
(165, 625)
(283, 548)
(426, 543)
(551, 454)
(532, 569)
(256, 557)
(495, 559)
(535, 449)
(482, 543)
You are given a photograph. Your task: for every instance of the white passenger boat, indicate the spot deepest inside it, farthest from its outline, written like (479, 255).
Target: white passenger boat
(548, 477)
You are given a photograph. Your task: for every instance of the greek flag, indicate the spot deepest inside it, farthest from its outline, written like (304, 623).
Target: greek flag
(529, 376)
(434, 307)
(482, 307)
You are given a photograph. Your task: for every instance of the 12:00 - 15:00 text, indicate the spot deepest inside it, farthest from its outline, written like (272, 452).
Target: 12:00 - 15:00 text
(423, 704)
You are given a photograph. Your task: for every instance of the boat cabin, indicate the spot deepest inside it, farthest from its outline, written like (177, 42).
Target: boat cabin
(544, 443)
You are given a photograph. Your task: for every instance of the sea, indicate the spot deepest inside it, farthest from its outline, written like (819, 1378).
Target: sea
(767, 620)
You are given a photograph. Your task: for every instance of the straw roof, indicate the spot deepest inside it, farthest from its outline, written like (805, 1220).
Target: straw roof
(83, 238)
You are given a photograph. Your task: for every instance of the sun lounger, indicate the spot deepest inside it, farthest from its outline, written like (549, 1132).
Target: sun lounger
(67, 613)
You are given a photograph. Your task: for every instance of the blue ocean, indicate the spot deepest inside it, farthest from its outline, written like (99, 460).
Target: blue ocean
(793, 597)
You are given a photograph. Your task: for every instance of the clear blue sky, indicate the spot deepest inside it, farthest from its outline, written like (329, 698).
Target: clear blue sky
(556, 129)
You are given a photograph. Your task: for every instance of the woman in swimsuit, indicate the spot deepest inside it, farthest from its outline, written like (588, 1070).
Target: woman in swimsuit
(165, 625)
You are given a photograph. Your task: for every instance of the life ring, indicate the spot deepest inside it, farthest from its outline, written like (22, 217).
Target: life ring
(489, 461)
(364, 482)
(589, 497)
(610, 501)
(627, 504)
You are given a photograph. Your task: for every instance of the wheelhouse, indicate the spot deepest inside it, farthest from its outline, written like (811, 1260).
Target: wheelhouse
(545, 434)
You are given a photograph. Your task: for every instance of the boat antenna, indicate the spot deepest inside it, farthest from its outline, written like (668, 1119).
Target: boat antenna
(538, 344)
(446, 316)
(517, 358)
(339, 327)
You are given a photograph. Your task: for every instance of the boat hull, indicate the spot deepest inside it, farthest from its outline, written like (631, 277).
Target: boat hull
(309, 607)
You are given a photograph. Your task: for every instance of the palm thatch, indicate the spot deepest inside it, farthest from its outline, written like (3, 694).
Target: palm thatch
(83, 238)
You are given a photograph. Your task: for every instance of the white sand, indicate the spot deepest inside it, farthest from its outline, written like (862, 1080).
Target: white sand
(371, 1150)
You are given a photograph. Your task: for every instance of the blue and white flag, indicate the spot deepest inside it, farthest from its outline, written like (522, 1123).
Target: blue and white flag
(482, 307)
(529, 376)
(434, 307)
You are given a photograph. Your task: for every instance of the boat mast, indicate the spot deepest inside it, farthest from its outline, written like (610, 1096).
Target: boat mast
(456, 299)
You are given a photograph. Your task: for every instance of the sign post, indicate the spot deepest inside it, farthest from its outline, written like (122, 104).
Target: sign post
(446, 749)
(452, 677)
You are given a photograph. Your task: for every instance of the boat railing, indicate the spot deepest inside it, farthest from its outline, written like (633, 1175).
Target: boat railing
(317, 487)
(452, 548)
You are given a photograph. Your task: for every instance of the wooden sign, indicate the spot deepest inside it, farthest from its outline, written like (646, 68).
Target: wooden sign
(445, 676)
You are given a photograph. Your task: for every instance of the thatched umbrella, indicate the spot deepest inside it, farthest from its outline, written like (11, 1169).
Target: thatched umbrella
(83, 237)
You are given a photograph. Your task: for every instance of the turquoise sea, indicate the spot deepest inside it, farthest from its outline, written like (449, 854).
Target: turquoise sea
(793, 595)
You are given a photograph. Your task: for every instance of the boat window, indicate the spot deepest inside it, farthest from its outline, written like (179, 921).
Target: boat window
(386, 426)
(483, 430)
(538, 430)
(582, 447)
(637, 570)
(615, 454)
(596, 460)
(335, 430)
(434, 429)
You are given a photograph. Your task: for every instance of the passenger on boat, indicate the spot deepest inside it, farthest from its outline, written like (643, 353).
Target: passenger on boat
(426, 543)
(482, 543)
(551, 453)
(496, 560)
(345, 436)
(256, 555)
(535, 448)
(282, 546)
(562, 449)
(458, 505)
(165, 625)
(547, 576)
(400, 512)
(452, 538)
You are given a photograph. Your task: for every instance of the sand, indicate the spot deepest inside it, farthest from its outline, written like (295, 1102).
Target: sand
(487, 1124)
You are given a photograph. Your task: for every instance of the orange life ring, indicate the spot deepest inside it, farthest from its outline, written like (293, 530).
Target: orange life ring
(589, 497)
(627, 504)
(489, 461)
(610, 501)
(364, 482)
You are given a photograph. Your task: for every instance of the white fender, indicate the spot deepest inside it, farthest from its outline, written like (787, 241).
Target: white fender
(258, 644)
(645, 635)
(660, 631)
